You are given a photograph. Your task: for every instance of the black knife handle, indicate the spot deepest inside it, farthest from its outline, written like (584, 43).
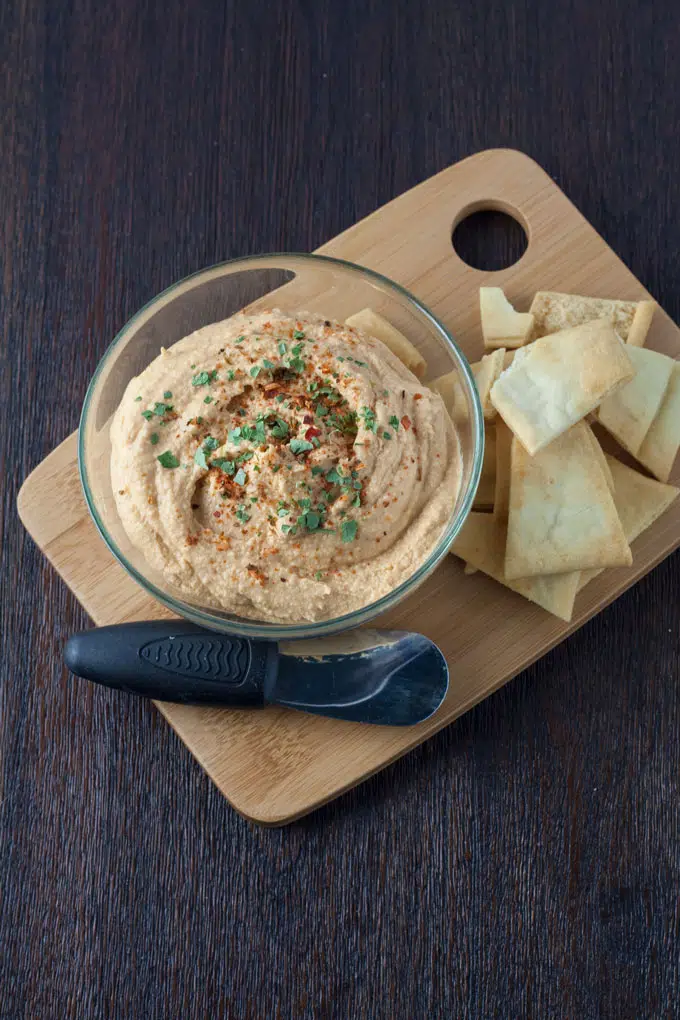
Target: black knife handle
(172, 660)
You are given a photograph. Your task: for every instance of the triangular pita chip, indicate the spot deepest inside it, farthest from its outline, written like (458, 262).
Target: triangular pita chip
(562, 516)
(554, 312)
(501, 500)
(502, 326)
(629, 413)
(557, 380)
(481, 543)
(450, 390)
(639, 502)
(660, 446)
(486, 489)
(601, 458)
(486, 372)
(370, 322)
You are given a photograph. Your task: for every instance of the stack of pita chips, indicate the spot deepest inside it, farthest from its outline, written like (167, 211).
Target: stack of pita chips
(553, 509)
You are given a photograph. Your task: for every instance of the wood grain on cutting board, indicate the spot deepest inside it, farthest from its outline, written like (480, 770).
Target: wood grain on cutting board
(276, 765)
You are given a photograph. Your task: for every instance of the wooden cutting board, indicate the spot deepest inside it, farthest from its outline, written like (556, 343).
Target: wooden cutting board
(276, 765)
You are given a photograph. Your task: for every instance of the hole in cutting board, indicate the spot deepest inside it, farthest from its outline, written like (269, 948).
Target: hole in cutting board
(489, 239)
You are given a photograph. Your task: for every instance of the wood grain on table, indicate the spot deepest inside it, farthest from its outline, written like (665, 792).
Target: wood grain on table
(525, 861)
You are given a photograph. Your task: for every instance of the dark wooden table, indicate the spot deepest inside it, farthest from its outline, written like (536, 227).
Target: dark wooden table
(526, 861)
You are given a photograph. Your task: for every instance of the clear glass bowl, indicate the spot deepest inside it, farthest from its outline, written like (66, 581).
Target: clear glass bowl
(292, 283)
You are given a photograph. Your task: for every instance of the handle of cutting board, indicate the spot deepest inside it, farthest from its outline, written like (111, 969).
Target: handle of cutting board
(171, 660)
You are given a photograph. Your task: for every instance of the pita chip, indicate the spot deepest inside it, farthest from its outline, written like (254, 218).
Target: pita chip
(601, 458)
(660, 446)
(562, 515)
(486, 489)
(639, 502)
(629, 413)
(502, 326)
(370, 322)
(556, 381)
(481, 543)
(554, 312)
(486, 372)
(501, 502)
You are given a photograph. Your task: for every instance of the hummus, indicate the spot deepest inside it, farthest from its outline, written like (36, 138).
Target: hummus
(283, 469)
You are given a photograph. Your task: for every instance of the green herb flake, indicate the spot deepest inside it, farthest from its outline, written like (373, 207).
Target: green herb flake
(230, 375)
(168, 460)
(300, 446)
(240, 477)
(387, 435)
(235, 436)
(242, 514)
(279, 429)
(357, 500)
(199, 458)
(275, 468)
(298, 335)
(148, 415)
(394, 422)
(154, 438)
(316, 470)
(239, 339)
(207, 400)
(200, 379)
(349, 531)
(167, 395)
(268, 364)
(255, 371)
(210, 443)
(137, 399)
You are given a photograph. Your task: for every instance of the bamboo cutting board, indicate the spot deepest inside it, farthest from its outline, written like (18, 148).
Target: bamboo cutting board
(276, 765)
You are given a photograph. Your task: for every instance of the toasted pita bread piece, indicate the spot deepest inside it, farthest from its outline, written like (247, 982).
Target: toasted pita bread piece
(502, 326)
(660, 446)
(562, 516)
(501, 501)
(556, 381)
(481, 543)
(486, 489)
(629, 413)
(450, 390)
(639, 502)
(553, 312)
(370, 322)
(486, 372)
(601, 458)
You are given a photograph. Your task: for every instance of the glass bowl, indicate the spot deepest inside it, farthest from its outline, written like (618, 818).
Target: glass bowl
(295, 282)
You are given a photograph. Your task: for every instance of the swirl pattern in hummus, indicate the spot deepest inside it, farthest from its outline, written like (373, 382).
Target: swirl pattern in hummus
(283, 469)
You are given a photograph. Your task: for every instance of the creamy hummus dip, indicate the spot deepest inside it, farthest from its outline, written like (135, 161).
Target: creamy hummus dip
(283, 469)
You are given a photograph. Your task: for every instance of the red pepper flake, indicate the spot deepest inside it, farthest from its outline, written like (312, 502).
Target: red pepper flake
(406, 422)
(417, 396)
(192, 539)
(217, 513)
(311, 432)
(308, 420)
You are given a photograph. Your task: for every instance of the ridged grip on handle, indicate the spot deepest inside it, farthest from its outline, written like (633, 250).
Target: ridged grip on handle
(171, 660)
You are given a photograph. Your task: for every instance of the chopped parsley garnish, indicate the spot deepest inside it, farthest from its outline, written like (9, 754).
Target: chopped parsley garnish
(268, 364)
(279, 429)
(137, 399)
(160, 409)
(283, 347)
(210, 443)
(318, 575)
(154, 438)
(230, 375)
(240, 477)
(242, 514)
(349, 530)
(168, 460)
(296, 365)
(207, 400)
(235, 436)
(228, 466)
(298, 349)
(394, 422)
(239, 339)
(316, 470)
(300, 446)
(148, 415)
(167, 395)
(255, 371)
(298, 335)
(357, 500)
(369, 420)
(199, 458)
(280, 398)
(204, 378)
(387, 435)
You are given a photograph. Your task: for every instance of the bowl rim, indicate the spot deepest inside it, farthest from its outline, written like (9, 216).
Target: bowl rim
(310, 629)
